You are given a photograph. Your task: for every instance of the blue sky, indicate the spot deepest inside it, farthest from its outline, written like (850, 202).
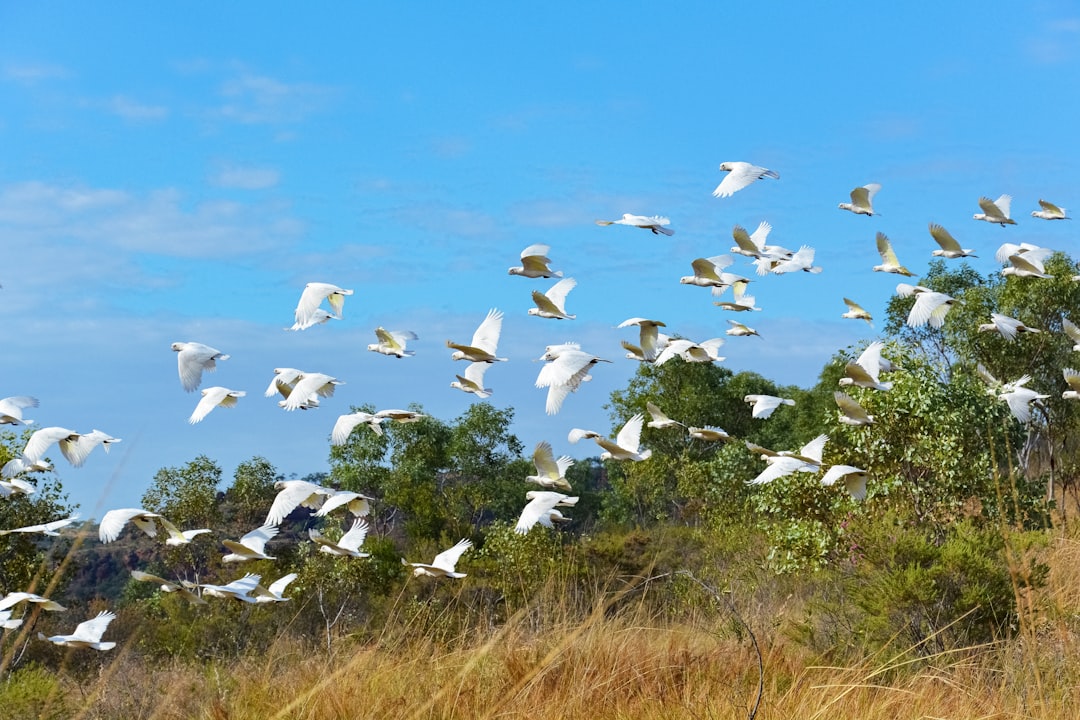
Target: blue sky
(180, 173)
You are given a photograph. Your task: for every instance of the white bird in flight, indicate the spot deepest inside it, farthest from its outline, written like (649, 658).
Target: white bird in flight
(626, 445)
(949, 247)
(191, 359)
(14, 598)
(49, 528)
(708, 434)
(995, 211)
(357, 504)
(648, 335)
(539, 509)
(706, 351)
(801, 260)
(1019, 399)
(393, 342)
(252, 546)
(654, 223)
(318, 317)
(1050, 211)
(473, 380)
(862, 200)
(737, 329)
(763, 406)
(87, 633)
(32, 456)
(312, 297)
(564, 375)
(930, 307)
(293, 494)
(552, 304)
(444, 563)
(889, 262)
(1072, 379)
(854, 479)
(168, 586)
(113, 522)
(1006, 326)
(856, 312)
(866, 370)
(660, 420)
(550, 473)
(851, 412)
(535, 263)
(348, 545)
(1072, 332)
(213, 397)
(11, 409)
(739, 175)
(484, 342)
(308, 388)
(754, 245)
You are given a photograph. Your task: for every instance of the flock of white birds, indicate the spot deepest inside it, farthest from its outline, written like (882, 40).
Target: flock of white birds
(566, 367)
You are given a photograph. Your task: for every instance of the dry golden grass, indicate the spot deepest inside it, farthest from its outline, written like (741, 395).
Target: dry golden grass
(621, 660)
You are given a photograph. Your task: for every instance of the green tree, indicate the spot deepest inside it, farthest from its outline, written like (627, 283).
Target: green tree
(188, 495)
(252, 491)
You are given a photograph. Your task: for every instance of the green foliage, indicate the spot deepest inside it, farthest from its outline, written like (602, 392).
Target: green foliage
(929, 589)
(667, 486)
(252, 491)
(188, 495)
(33, 692)
(29, 559)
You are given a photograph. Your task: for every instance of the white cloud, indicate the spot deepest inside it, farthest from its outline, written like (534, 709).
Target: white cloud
(159, 222)
(33, 73)
(246, 178)
(133, 110)
(253, 99)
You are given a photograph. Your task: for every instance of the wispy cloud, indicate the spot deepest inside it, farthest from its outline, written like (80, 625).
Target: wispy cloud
(246, 177)
(133, 110)
(253, 99)
(1055, 42)
(33, 73)
(159, 222)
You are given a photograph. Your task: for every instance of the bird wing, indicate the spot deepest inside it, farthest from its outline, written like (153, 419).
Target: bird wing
(536, 508)
(1005, 325)
(256, 539)
(854, 306)
(114, 520)
(1071, 330)
(1027, 263)
(41, 439)
(850, 407)
(744, 240)
(1003, 204)
(533, 252)
(926, 304)
(576, 434)
(557, 293)
(705, 268)
(870, 359)
(447, 559)
(345, 424)
(544, 460)
(211, 398)
(486, 336)
(990, 209)
(474, 373)
(354, 538)
(780, 467)
(741, 175)
(1072, 377)
(863, 197)
(91, 630)
(885, 249)
(943, 238)
(629, 437)
(1047, 206)
(278, 586)
(814, 448)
